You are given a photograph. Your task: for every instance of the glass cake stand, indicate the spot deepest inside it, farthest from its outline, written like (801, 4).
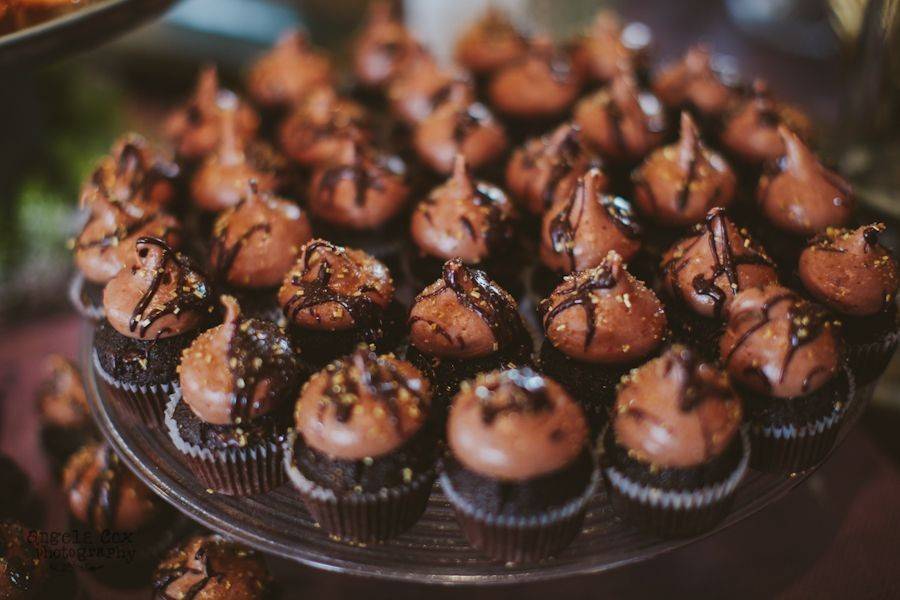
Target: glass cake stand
(433, 551)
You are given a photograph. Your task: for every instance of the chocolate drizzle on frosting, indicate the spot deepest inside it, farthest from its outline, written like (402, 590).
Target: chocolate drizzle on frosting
(527, 392)
(104, 492)
(166, 577)
(580, 293)
(130, 174)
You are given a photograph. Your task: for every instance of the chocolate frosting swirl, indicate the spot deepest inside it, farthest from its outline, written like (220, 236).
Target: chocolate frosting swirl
(515, 425)
(577, 232)
(610, 48)
(161, 294)
(490, 43)
(333, 288)
(696, 83)
(314, 132)
(604, 315)
(799, 195)
(779, 344)
(676, 412)
(463, 218)
(459, 127)
(678, 184)
(706, 270)
(61, 397)
(465, 315)
(849, 271)
(288, 72)
(362, 406)
(383, 48)
(422, 85)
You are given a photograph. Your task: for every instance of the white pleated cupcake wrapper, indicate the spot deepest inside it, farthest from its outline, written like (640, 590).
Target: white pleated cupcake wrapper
(681, 500)
(235, 472)
(365, 517)
(511, 538)
(145, 403)
(76, 285)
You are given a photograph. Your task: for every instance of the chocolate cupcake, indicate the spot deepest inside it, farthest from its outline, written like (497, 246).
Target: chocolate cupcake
(466, 219)
(674, 452)
(195, 128)
(154, 309)
(314, 132)
(578, 231)
(698, 82)
(783, 353)
(254, 244)
(287, 73)
(610, 47)
(540, 85)
(335, 298)
(363, 452)
(229, 418)
(520, 468)
(423, 85)
(66, 423)
(599, 323)
(750, 132)
(546, 168)
(464, 324)
(490, 43)
(678, 184)
(24, 572)
(106, 242)
(212, 568)
(459, 127)
(702, 273)
(621, 122)
(221, 180)
(383, 48)
(851, 273)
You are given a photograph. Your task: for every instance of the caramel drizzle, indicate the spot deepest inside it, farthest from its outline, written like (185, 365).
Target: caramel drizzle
(476, 292)
(807, 321)
(527, 393)
(103, 500)
(379, 378)
(191, 292)
(579, 293)
(19, 571)
(164, 578)
(310, 294)
(725, 262)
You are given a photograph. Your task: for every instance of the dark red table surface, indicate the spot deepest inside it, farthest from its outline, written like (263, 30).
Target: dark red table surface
(836, 536)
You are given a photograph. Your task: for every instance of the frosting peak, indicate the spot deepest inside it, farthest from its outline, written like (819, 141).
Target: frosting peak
(288, 72)
(490, 43)
(695, 82)
(459, 127)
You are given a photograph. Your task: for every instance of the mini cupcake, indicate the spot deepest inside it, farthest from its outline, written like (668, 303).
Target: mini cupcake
(541, 85)
(423, 85)
(254, 244)
(750, 132)
(851, 273)
(578, 231)
(464, 324)
(154, 309)
(799, 198)
(698, 82)
(211, 567)
(314, 132)
(365, 446)
(229, 418)
(677, 185)
(702, 273)
(490, 43)
(105, 502)
(133, 173)
(287, 73)
(24, 571)
(105, 244)
(459, 127)
(599, 323)
(674, 452)
(546, 168)
(520, 468)
(610, 47)
(195, 128)
(66, 423)
(221, 180)
(783, 353)
(621, 122)
(383, 48)
(335, 298)
(466, 219)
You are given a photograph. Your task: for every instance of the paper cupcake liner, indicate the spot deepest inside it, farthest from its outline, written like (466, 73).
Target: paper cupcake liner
(675, 513)
(520, 539)
(868, 361)
(80, 302)
(145, 403)
(244, 471)
(360, 518)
